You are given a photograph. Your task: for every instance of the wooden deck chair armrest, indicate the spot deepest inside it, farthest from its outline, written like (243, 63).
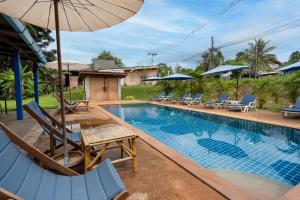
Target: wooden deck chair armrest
(122, 196)
(4, 194)
(32, 151)
(82, 101)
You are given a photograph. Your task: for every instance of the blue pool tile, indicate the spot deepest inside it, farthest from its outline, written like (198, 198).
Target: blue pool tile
(219, 142)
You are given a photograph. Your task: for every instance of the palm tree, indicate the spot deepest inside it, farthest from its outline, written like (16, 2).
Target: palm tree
(211, 59)
(258, 54)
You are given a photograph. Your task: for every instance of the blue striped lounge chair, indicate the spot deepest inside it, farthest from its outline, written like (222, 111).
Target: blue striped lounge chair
(21, 177)
(249, 101)
(186, 96)
(195, 100)
(168, 97)
(52, 127)
(161, 95)
(218, 103)
(292, 109)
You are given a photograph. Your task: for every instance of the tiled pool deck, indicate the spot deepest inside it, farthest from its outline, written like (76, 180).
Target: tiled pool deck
(160, 178)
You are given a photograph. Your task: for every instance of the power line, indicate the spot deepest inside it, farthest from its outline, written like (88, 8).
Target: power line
(220, 13)
(271, 31)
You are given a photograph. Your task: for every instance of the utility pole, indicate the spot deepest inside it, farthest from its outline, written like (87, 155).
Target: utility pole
(212, 49)
(152, 54)
(256, 59)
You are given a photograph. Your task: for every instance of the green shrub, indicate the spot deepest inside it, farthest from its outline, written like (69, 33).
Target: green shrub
(129, 98)
(141, 92)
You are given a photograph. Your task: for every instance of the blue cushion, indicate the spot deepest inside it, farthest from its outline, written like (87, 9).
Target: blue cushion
(222, 97)
(291, 110)
(111, 182)
(198, 95)
(75, 137)
(21, 176)
(248, 99)
(297, 104)
(35, 108)
(94, 186)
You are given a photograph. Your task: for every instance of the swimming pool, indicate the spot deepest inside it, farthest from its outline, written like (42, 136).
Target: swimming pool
(218, 142)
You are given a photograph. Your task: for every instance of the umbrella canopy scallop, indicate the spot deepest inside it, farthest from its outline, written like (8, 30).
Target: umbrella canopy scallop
(225, 68)
(155, 78)
(290, 68)
(74, 15)
(177, 76)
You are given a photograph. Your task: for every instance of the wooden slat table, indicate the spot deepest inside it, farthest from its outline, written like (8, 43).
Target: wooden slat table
(95, 134)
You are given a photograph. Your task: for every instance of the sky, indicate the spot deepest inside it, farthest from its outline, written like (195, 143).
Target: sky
(165, 27)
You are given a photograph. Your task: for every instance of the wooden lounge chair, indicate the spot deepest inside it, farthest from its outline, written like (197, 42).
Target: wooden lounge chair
(75, 106)
(219, 103)
(52, 127)
(20, 176)
(292, 109)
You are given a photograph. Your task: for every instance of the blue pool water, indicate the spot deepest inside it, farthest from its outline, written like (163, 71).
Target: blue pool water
(219, 142)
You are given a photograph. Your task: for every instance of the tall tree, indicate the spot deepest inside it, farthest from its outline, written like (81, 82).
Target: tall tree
(164, 70)
(181, 70)
(207, 59)
(258, 54)
(107, 55)
(294, 57)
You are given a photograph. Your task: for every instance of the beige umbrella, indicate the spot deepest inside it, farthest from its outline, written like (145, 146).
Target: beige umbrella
(70, 15)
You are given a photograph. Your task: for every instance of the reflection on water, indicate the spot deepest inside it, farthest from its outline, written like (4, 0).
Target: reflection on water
(220, 142)
(219, 146)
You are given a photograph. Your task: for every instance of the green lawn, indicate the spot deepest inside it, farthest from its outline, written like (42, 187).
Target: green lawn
(46, 101)
(140, 92)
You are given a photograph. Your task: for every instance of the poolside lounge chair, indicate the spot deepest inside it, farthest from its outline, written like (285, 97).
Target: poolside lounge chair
(52, 127)
(292, 109)
(168, 97)
(20, 176)
(195, 100)
(75, 106)
(222, 99)
(249, 101)
(161, 95)
(186, 97)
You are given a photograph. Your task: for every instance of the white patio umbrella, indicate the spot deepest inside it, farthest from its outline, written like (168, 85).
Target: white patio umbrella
(70, 15)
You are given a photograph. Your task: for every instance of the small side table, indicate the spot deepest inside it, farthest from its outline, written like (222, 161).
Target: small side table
(95, 135)
(229, 103)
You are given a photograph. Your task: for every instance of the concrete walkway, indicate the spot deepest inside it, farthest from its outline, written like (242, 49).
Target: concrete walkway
(157, 177)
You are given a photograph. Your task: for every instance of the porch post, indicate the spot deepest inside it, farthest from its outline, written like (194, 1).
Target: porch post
(18, 84)
(36, 83)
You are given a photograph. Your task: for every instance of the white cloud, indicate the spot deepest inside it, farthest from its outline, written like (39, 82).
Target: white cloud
(162, 24)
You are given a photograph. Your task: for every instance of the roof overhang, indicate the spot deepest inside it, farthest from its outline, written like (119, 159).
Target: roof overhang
(15, 35)
(83, 74)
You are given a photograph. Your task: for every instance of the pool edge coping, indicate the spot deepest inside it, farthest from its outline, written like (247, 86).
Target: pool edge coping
(217, 183)
(219, 114)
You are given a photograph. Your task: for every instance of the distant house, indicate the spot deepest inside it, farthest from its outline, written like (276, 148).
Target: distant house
(103, 80)
(137, 74)
(105, 65)
(71, 72)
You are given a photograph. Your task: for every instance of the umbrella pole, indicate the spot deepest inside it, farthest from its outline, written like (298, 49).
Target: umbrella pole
(61, 88)
(237, 87)
(69, 83)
